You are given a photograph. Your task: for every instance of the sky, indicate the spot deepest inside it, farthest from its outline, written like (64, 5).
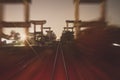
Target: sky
(57, 11)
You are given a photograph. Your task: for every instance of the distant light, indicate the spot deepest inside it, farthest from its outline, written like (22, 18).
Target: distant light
(7, 41)
(21, 45)
(23, 37)
(115, 44)
(83, 28)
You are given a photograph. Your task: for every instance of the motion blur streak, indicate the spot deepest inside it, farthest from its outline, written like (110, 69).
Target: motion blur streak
(25, 65)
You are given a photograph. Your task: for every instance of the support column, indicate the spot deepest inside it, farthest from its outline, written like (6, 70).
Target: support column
(34, 31)
(67, 25)
(1, 19)
(42, 30)
(76, 14)
(103, 10)
(26, 15)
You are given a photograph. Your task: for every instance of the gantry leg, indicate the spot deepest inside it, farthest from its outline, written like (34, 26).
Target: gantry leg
(26, 16)
(1, 19)
(103, 10)
(76, 24)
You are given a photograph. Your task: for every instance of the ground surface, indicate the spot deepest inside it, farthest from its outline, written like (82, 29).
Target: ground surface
(72, 62)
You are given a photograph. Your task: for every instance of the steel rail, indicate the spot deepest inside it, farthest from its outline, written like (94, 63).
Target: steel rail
(55, 61)
(64, 63)
(59, 51)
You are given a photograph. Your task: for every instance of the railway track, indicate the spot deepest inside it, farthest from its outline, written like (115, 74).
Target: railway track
(61, 62)
(59, 52)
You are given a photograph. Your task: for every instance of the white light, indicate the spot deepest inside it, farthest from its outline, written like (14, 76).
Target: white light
(7, 41)
(115, 44)
(23, 37)
(83, 28)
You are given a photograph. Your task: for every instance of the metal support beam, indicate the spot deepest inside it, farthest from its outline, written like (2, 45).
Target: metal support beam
(1, 12)
(41, 23)
(14, 1)
(42, 29)
(76, 14)
(68, 28)
(47, 28)
(103, 10)
(67, 25)
(15, 24)
(38, 22)
(26, 15)
(90, 1)
(1, 19)
(34, 32)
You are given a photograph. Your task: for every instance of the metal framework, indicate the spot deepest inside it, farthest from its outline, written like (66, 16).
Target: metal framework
(13, 1)
(24, 24)
(70, 22)
(1, 19)
(15, 24)
(90, 1)
(41, 23)
(77, 24)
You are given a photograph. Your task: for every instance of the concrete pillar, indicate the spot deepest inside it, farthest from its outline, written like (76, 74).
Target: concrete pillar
(1, 19)
(103, 10)
(26, 15)
(76, 14)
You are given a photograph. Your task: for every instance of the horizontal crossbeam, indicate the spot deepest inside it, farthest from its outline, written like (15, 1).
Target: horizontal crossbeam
(41, 22)
(14, 24)
(71, 21)
(90, 1)
(46, 27)
(13, 1)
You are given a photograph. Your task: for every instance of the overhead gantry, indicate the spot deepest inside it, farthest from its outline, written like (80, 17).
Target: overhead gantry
(1, 19)
(100, 22)
(67, 28)
(41, 23)
(25, 24)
